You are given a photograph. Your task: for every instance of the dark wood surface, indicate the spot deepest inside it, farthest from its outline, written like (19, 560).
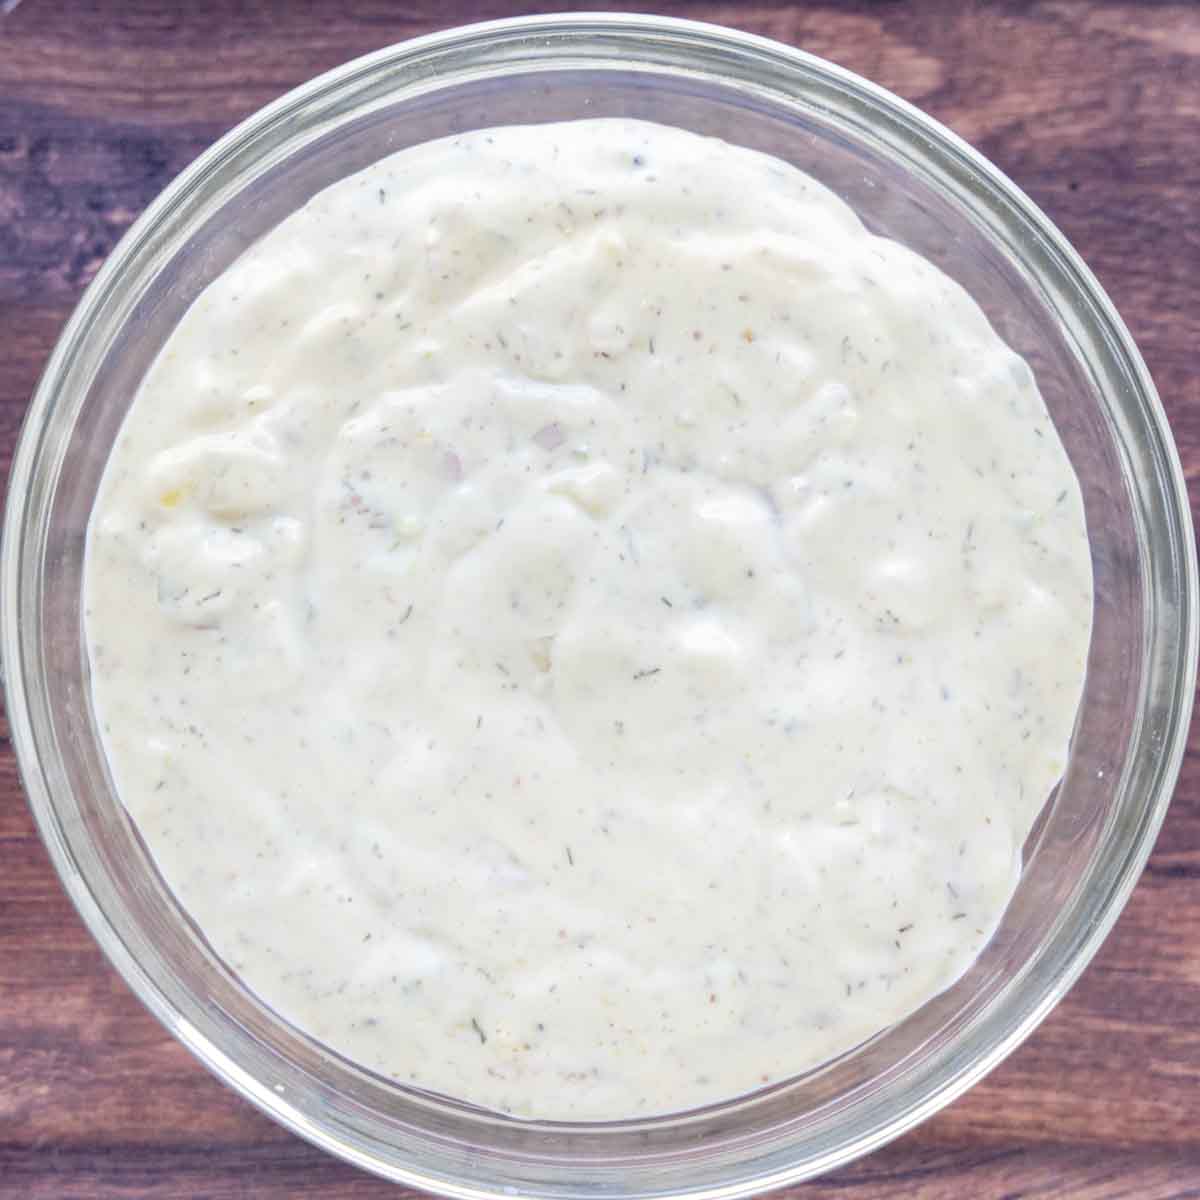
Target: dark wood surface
(1093, 107)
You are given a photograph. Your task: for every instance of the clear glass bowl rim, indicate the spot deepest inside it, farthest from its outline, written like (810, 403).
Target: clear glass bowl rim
(698, 42)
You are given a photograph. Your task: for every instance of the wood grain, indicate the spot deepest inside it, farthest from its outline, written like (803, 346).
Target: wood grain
(1093, 107)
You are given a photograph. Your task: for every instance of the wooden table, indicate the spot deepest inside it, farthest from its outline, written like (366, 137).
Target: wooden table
(1094, 108)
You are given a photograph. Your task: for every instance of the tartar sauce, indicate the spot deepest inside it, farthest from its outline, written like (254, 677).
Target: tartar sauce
(582, 625)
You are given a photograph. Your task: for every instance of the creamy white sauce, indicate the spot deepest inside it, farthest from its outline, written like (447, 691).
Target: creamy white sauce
(583, 626)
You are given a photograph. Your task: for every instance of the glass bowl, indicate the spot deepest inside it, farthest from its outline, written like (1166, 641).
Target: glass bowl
(908, 178)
